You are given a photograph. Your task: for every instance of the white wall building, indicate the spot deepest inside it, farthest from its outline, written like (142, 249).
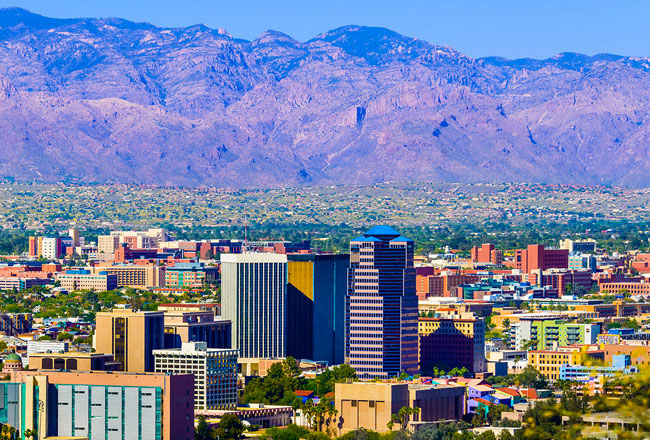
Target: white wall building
(214, 370)
(254, 292)
(51, 248)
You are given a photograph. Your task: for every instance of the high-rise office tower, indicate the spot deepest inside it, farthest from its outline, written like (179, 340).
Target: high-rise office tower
(381, 305)
(254, 297)
(316, 293)
(131, 337)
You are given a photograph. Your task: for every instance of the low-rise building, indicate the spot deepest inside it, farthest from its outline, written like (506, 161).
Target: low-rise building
(621, 364)
(14, 324)
(215, 308)
(550, 362)
(99, 405)
(260, 414)
(135, 275)
(451, 340)
(545, 334)
(21, 283)
(47, 346)
(631, 288)
(370, 405)
(73, 361)
(82, 279)
(190, 275)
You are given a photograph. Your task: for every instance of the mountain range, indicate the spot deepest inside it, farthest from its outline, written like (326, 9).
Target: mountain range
(109, 100)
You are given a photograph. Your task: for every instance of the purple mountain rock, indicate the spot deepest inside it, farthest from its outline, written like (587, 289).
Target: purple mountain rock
(108, 100)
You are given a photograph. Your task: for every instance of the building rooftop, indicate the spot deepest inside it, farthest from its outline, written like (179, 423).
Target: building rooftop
(366, 239)
(382, 230)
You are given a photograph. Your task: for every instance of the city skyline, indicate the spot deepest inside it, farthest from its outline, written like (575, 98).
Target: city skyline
(324, 220)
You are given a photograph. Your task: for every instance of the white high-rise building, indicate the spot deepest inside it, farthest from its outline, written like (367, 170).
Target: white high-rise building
(254, 299)
(214, 370)
(51, 248)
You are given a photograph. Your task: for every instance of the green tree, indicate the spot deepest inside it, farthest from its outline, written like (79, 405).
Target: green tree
(532, 378)
(229, 428)
(64, 336)
(494, 413)
(203, 430)
(319, 414)
(480, 415)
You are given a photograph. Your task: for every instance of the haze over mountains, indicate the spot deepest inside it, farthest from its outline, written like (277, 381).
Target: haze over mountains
(108, 100)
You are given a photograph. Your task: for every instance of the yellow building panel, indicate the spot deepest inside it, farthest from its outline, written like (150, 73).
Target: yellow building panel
(301, 276)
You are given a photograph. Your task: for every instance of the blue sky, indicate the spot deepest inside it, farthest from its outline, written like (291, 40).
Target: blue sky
(513, 29)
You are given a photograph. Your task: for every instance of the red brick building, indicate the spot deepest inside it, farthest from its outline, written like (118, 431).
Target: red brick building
(641, 263)
(443, 284)
(124, 253)
(535, 257)
(486, 254)
(561, 279)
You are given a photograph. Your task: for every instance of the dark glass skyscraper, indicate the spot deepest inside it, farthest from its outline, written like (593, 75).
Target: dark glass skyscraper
(316, 306)
(381, 305)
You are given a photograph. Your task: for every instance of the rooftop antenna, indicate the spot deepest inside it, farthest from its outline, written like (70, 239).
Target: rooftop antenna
(245, 232)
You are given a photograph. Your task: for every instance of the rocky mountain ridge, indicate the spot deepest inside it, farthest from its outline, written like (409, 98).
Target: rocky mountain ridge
(108, 100)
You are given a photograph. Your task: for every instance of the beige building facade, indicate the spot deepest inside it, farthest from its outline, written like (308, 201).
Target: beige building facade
(370, 405)
(135, 275)
(131, 337)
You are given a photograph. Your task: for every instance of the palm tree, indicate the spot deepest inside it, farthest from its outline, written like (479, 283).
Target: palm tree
(402, 417)
(516, 361)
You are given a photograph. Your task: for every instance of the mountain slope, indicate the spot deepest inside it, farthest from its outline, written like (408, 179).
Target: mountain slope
(107, 100)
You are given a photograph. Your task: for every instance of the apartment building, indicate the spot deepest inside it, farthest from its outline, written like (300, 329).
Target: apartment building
(14, 324)
(547, 333)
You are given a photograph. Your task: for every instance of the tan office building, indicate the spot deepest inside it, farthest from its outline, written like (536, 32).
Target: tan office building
(108, 244)
(370, 405)
(73, 361)
(135, 275)
(131, 337)
(196, 326)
